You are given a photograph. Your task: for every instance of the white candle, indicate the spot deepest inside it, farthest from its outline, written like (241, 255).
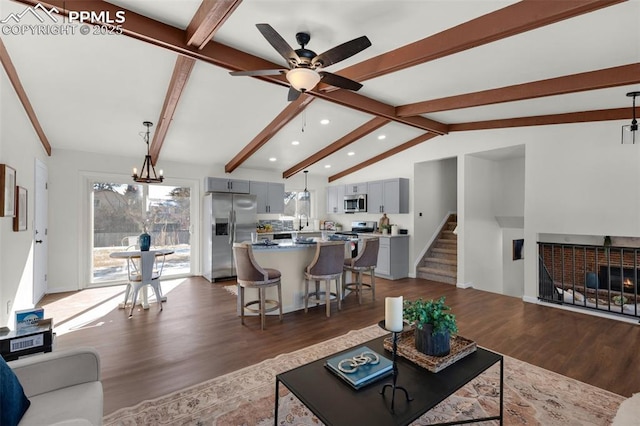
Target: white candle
(393, 313)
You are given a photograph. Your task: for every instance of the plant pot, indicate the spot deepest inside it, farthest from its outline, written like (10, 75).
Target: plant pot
(429, 344)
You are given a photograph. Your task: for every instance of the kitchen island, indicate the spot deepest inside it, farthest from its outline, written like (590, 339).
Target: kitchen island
(290, 259)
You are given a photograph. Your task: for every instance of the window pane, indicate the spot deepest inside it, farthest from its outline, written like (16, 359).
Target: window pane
(121, 212)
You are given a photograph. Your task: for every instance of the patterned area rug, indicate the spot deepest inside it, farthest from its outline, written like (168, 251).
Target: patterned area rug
(532, 396)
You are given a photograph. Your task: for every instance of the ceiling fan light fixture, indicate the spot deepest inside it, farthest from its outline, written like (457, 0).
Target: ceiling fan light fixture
(148, 172)
(630, 131)
(303, 79)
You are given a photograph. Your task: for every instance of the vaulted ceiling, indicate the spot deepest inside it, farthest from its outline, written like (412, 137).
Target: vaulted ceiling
(434, 67)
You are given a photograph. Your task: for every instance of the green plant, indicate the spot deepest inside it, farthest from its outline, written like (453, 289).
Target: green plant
(436, 313)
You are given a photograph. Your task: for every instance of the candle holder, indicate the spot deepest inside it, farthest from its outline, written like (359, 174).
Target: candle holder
(394, 378)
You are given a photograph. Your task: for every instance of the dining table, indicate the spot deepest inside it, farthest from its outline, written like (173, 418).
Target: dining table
(132, 255)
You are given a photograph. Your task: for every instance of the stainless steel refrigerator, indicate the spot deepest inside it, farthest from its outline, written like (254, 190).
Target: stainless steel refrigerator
(228, 218)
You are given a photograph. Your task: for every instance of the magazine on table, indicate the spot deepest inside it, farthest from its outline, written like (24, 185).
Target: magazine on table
(360, 366)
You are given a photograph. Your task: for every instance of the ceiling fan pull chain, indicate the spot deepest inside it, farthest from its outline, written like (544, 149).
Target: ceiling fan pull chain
(304, 120)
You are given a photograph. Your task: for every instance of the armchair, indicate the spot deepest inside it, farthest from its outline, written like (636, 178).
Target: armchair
(63, 387)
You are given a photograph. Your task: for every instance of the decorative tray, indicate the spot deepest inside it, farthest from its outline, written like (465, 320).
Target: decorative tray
(460, 347)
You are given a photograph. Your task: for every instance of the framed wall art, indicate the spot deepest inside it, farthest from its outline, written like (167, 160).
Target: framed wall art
(518, 246)
(7, 191)
(20, 219)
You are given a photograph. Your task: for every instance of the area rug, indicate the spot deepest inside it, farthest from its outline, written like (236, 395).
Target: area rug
(532, 396)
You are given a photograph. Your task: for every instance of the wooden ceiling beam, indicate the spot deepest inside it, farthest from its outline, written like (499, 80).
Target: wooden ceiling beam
(393, 151)
(600, 79)
(543, 120)
(512, 20)
(371, 106)
(181, 72)
(370, 126)
(22, 95)
(289, 113)
(208, 19)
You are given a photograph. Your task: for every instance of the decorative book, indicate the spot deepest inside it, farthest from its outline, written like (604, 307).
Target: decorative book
(28, 319)
(360, 366)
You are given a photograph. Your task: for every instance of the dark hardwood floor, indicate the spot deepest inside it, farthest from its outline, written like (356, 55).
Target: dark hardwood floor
(198, 336)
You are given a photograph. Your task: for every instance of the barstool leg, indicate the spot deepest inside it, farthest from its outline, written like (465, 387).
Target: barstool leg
(306, 295)
(317, 293)
(327, 296)
(241, 291)
(280, 299)
(339, 292)
(359, 287)
(373, 284)
(262, 308)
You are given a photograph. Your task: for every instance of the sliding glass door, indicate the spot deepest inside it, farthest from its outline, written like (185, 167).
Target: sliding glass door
(120, 212)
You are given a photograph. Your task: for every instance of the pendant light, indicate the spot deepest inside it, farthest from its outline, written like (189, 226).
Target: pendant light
(630, 131)
(147, 166)
(306, 194)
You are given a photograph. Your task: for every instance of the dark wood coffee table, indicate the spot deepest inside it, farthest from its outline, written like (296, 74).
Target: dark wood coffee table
(336, 403)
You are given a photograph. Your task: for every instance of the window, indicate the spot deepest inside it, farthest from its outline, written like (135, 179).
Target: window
(297, 205)
(121, 212)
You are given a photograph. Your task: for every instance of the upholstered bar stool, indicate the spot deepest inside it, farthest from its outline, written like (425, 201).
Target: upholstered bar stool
(326, 266)
(252, 275)
(365, 261)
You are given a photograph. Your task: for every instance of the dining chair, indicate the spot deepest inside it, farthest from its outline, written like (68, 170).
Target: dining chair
(148, 273)
(252, 275)
(365, 261)
(326, 266)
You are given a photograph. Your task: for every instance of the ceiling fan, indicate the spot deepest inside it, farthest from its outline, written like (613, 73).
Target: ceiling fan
(305, 67)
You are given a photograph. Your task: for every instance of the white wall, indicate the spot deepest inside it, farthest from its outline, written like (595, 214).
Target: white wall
(19, 147)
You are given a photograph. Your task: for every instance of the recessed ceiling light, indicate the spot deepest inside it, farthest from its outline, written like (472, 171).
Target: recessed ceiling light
(324, 121)
(380, 137)
(327, 166)
(272, 159)
(295, 143)
(351, 153)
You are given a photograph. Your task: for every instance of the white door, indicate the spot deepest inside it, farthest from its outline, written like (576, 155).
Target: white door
(41, 202)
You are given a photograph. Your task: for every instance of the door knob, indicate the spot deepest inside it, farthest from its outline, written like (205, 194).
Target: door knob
(38, 241)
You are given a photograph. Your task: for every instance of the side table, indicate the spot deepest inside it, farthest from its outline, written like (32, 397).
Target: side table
(17, 343)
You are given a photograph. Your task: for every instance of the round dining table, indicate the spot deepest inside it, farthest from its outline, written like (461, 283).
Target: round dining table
(131, 255)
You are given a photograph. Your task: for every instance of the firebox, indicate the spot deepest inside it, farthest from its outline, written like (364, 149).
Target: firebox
(620, 277)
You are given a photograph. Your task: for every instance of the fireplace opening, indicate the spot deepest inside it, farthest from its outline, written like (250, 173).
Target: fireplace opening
(621, 278)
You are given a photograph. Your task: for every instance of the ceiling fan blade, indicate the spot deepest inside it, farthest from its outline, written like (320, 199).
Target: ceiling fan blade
(258, 72)
(293, 94)
(278, 43)
(343, 51)
(339, 81)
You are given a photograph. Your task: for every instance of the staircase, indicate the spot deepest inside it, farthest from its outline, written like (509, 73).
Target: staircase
(440, 263)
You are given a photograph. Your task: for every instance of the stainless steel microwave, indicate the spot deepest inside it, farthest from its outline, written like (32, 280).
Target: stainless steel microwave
(355, 203)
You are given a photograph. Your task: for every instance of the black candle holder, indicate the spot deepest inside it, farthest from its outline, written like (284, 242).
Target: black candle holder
(394, 379)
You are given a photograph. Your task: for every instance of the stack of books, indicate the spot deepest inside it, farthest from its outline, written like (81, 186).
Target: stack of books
(364, 374)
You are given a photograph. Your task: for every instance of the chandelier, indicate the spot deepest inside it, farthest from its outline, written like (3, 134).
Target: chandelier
(147, 166)
(630, 131)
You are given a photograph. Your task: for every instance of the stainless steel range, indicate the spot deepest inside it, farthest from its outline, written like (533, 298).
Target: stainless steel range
(358, 228)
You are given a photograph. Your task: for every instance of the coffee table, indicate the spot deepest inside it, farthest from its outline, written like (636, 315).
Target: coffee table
(336, 403)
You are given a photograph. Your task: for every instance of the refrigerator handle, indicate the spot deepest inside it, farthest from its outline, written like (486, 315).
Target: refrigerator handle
(230, 227)
(234, 226)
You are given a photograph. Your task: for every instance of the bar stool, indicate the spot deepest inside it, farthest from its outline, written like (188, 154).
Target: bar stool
(365, 261)
(325, 266)
(252, 275)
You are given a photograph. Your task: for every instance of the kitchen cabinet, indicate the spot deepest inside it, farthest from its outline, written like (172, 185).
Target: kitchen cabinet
(269, 196)
(335, 199)
(388, 196)
(393, 257)
(355, 188)
(212, 184)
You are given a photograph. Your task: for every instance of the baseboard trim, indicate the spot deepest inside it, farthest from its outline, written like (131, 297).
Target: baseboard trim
(464, 285)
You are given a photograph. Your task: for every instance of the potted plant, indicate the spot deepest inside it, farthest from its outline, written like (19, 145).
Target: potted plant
(433, 325)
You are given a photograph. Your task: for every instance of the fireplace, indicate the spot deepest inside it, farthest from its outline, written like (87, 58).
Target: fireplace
(620, 277)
